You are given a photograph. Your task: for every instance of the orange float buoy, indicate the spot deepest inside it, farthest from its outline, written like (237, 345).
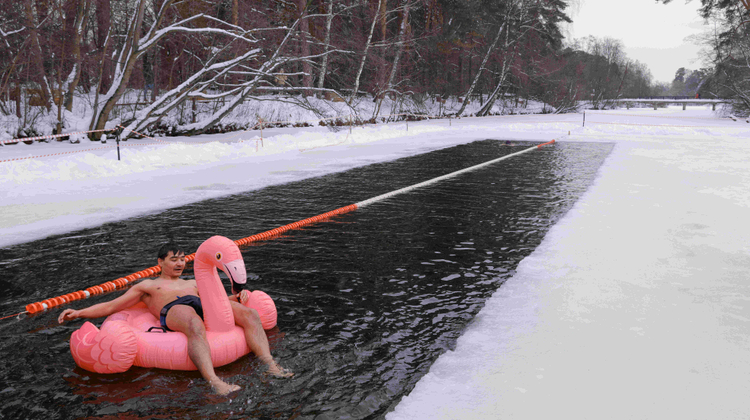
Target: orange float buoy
(33, 308)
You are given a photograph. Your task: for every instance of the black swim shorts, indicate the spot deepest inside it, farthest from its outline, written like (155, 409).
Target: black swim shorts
(190, 300)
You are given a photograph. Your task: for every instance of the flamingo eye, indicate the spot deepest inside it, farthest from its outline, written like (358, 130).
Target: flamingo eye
(218, 255)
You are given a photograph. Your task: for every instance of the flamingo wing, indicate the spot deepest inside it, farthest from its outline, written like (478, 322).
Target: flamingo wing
(109, 350)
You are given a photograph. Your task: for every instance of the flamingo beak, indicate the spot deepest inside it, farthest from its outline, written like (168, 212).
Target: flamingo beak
(237, 274)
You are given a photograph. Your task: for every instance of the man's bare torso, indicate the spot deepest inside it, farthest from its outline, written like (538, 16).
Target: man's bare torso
(160, 292)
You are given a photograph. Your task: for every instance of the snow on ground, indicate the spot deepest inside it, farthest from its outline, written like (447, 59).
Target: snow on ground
(635, 305)
(269, 108)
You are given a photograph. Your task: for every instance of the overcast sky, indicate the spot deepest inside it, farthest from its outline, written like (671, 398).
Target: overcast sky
(653, 33)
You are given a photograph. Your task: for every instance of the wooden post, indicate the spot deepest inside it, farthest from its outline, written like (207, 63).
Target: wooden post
(18, 101)
(260, 121)
(117, 138)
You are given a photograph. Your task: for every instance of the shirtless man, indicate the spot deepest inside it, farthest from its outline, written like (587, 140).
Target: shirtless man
(184, 314)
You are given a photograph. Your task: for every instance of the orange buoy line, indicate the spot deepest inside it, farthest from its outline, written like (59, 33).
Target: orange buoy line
(121, 282)
(109, 286)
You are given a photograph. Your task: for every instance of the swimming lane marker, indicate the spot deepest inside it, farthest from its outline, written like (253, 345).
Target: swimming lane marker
(153, 271)
(296, 225)
(444, 177)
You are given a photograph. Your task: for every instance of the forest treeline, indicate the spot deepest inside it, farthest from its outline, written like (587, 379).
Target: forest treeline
(56, 52)
(726, 54)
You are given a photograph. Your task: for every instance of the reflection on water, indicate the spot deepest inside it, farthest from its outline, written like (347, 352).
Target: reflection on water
(366, 301)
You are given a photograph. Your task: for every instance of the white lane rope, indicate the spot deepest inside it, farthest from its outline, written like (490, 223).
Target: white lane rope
(444, 177)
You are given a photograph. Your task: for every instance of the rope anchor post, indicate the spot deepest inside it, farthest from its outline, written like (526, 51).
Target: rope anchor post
(117, 139)
(260, 121)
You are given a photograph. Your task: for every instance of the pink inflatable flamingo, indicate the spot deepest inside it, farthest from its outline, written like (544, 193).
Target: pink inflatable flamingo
(134, 337)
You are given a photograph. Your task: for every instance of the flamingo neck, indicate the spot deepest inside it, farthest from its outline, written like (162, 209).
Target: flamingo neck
(217, 310)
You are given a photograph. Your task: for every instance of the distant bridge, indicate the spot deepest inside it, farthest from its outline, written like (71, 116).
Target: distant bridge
(684, 100)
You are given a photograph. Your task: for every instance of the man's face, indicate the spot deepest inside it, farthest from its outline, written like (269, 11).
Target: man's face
(172, 265)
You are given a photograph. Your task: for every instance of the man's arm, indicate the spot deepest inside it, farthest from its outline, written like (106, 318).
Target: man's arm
(126, 300)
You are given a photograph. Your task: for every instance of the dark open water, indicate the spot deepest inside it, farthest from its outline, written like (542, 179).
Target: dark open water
(367, 301)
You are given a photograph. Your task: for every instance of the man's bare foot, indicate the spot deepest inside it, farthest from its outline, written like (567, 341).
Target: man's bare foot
(275, 370)
(222, 388)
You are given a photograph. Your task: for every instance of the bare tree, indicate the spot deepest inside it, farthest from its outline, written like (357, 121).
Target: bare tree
(402, 41)
(515, 24)
(606, 70)
(326, 46)
(520, 20)
(136, 45)
(482, 69)
(213, 71)
(728, 52)
(304, 27)
(36, 56)
(74, 77)
(355, 89)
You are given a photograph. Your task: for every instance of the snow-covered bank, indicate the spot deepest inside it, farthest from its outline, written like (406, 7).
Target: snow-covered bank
(60, 193)
(276, 110)
(636, 305)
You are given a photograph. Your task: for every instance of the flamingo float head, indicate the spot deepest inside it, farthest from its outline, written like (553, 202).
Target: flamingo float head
(218, 252)
(224, 254)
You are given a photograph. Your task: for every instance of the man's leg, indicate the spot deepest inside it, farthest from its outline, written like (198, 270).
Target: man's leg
(184, 319)
(256, 338)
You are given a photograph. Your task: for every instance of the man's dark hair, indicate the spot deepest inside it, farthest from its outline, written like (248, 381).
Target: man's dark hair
(166, 248)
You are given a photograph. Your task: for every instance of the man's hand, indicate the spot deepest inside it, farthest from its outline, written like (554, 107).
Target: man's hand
(243, 296)
(67, 315)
